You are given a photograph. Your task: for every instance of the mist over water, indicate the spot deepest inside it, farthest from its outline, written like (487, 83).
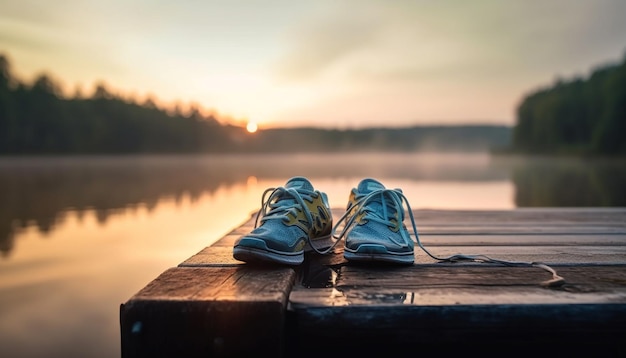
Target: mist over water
(80, 235)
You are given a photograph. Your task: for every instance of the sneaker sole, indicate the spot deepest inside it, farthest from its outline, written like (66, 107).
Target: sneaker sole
(251, 255)
(256, 251)
(379, 253)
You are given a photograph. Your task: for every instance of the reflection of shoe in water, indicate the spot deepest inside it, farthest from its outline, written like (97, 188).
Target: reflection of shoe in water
(294, 218)
(374, 228)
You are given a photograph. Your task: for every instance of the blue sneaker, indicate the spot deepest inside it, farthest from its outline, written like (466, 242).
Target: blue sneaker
(294, 219)
(374, 227)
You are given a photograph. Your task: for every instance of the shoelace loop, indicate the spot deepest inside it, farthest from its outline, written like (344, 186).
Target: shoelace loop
(280, 207)
(392, 216)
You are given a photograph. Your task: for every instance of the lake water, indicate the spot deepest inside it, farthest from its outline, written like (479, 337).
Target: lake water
(81, 235)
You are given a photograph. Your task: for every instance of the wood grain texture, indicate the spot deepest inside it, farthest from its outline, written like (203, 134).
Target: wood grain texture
(214, 305)
(208, 312)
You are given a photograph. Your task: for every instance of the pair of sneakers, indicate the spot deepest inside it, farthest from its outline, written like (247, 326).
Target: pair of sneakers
(297, 218)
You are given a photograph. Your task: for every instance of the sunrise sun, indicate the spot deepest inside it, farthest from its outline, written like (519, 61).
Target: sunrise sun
(251, 127)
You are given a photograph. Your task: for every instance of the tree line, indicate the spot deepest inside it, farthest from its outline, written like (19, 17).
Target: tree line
(457, 138)
(576, 116)
(37, 119)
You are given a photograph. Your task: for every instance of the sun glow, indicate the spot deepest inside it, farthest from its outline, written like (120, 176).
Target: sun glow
(251, 127)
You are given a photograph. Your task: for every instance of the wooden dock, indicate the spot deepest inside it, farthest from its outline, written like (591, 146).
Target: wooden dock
(212, 305)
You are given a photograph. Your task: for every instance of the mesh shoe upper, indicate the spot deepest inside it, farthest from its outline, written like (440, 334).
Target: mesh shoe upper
(291, 220)
(374, 228)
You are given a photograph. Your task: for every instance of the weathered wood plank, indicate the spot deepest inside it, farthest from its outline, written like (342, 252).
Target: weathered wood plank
(529, 229)
(221, 256)
(586, 330)
(200, 312)
(450, 284)
(331, 307)
(537, 222)
(478, 231)
(582, 280)
(517, 239)
(217, 256)
(614, 217)
(553, 255)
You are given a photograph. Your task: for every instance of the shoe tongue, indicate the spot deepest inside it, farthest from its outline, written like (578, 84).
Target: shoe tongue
(369, 185)
(299, 183)
(293, 183)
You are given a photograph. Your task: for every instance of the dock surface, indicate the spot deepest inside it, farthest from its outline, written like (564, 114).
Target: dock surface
(212, 305)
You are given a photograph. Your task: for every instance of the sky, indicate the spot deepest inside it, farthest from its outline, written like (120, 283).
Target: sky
(323, 63)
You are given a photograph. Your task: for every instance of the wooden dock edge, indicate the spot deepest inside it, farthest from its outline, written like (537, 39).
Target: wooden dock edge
(208, 312)
(212, 305)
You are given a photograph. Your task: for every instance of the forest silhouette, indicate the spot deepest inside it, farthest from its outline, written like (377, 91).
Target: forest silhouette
(582, 116)
(36, 119)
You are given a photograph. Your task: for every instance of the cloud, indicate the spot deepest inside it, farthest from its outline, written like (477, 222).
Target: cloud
(355, 57)
(419, 40)
(375, 37)
(369, 60)
(326, 38)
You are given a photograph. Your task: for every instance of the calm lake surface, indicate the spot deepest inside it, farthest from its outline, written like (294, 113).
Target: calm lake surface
(81, 235)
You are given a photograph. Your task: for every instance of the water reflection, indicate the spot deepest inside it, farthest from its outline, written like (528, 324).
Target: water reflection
(569, 182)
(39, 192)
